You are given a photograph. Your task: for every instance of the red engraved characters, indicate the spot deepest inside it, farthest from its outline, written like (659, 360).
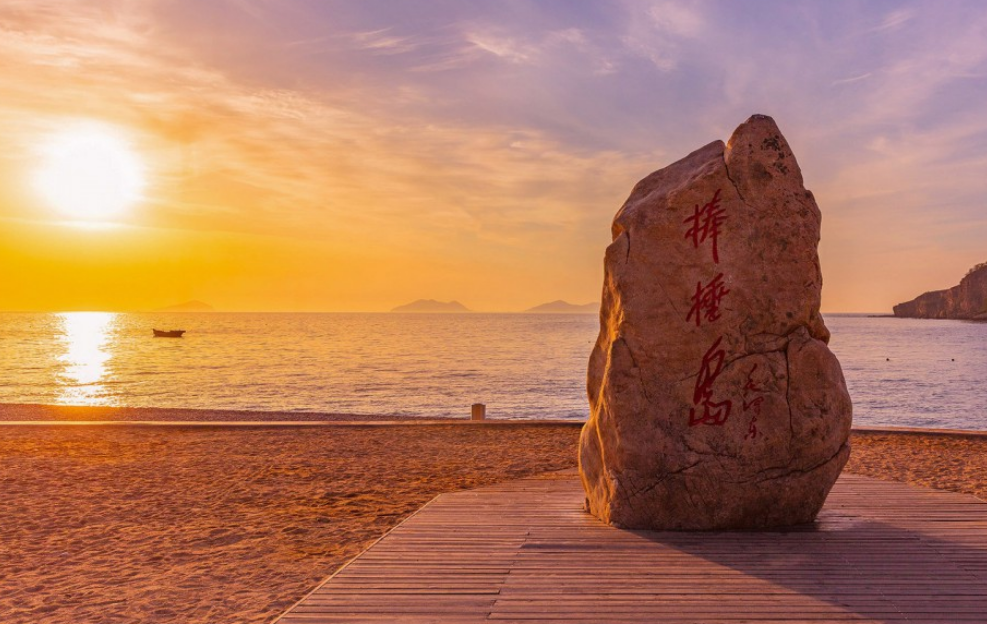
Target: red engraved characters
(752, 403)
(705, 224)
(713, 413)
(706, 301)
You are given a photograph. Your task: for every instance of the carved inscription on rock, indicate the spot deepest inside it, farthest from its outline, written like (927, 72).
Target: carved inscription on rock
(714, 400)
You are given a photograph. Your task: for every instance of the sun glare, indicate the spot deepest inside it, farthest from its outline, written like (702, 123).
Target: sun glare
(87, 336)
(89, 173)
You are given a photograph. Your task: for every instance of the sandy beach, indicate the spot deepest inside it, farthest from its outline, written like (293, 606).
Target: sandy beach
(202, 524)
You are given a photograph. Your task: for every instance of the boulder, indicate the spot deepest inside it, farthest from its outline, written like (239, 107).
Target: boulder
(715, 402)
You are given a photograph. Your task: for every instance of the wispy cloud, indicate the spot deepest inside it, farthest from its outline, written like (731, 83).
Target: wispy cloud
(895, 19)
(852, 79)
(506, 133)
(231, 156)
(676, 18)
(503, 47)
(385, 42)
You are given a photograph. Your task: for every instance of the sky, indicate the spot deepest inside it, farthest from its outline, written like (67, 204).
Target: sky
(329, 155)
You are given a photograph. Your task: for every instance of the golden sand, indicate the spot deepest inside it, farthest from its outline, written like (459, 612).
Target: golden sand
(946, 462)
(194, 525)
(147, 524)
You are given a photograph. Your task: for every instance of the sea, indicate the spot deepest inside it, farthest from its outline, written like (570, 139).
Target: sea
(900, 372)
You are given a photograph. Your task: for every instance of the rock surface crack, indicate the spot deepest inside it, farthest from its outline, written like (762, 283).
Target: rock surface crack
(736, 187)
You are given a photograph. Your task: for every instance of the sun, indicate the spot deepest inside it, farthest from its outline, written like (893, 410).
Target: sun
(89, 173)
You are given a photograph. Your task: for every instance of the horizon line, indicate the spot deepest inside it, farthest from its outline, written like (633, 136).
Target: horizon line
(244, 311)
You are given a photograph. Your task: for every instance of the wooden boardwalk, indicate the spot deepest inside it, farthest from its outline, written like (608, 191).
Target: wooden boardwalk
(525, 552)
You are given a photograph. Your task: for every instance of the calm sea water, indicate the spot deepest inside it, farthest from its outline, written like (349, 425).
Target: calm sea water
(900, 372)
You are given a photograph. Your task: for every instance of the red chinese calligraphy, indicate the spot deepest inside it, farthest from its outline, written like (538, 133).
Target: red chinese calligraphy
(750, 386)
(752, 405)
(713, 413)
(706, 301)
(705, 224)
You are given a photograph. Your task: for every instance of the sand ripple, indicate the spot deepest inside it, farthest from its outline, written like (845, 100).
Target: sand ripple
(195, 526)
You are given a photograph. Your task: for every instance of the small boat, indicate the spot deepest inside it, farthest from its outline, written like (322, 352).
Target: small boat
(171, 333)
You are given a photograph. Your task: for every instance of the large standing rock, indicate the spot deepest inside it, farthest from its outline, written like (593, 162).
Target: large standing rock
(715, 401)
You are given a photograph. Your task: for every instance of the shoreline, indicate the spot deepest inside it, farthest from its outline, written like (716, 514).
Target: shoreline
(289, 424)
(35, 414)
(65, 413)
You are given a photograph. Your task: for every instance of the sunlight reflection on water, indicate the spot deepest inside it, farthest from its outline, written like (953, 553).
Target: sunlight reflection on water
(85, 337)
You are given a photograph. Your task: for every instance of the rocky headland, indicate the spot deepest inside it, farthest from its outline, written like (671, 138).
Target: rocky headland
(431, 305)
(564, 307)
(966, 301)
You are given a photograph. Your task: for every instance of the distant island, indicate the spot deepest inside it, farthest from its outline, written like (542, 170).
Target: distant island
(431, 305)
(187, 306)
(564, 307)
(967, 301)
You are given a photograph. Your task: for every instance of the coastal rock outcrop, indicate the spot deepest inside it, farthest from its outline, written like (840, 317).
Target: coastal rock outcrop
(431, 305)
(715, 402)
(564, 307)
(967, 301)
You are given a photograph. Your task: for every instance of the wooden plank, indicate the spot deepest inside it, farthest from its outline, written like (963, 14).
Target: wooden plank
(525, 552)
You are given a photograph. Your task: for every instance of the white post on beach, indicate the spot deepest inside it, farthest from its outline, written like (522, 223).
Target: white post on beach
(478, 412)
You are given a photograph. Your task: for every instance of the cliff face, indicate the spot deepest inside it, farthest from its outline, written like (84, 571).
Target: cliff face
(966, 301)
